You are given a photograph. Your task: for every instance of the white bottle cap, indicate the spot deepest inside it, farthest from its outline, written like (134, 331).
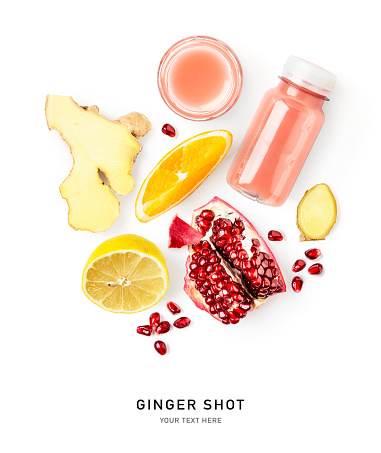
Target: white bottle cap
(309, 76)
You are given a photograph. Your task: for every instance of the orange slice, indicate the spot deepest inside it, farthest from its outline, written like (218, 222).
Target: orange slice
(180, 172)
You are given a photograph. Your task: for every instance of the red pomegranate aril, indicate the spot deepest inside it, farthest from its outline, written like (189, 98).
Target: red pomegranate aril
(203, 223)
(269, 273)
(225, 321)
(182, 322)
(275, 235)
(223, 314)
(242, 255)
(275, 272)
(233, 287)
(163, 327)
(297, 284)
(257, 282)
(237, 297)
(245, 306)
(169, 130)
(255, 262)
(256, 242)
(160, 347)
(144, 330)
(215, 276)
(245, 265)
(212, 310)
(226, 304)
(214, 259)
(154, 319)
(234, 319)
(315, 269)
(202, 275)
(233, 255)
(207, 214)
(219, 299)
(251, 274)
(202, 261)
(312, 254)
(239, 312)
(173, 308)
(298, 265)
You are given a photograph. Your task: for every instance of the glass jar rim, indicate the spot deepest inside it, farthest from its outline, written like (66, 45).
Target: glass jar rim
(236, 79)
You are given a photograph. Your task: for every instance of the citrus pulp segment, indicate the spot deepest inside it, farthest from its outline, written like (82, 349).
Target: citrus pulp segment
(125, 274)
(180, 172)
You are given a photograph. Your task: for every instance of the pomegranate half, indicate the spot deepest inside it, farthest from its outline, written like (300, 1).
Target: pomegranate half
(231, 270)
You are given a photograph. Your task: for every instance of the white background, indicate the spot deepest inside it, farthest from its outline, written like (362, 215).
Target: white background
(307, 365)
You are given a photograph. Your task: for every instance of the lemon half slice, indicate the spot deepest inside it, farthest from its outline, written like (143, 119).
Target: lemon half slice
(125, 274)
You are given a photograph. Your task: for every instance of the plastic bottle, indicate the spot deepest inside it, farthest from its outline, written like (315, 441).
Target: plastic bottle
(282, 133)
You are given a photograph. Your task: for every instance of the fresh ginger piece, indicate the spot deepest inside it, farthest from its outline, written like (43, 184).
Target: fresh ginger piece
(96, 144)
(316, 213)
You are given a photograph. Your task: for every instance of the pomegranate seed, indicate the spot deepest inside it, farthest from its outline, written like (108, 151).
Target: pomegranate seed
(239, 312)
(144, 330)
(173, 308)
(207, 214)
(312, 254)
(160, 347)
(163, 327)
(275, 235)
(315, 269)
(234, 319)
(204, 224)
(169, 130)
(245, 306)
(154, 319)
(182, 322)
(256, 242)
(298, 265)
(297, 283)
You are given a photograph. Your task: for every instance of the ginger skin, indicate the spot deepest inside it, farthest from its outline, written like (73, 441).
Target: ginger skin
(96, 144)
(137, 123)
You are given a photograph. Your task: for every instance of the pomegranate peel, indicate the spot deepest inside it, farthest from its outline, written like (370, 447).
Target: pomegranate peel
(231, 270)
(181, 233)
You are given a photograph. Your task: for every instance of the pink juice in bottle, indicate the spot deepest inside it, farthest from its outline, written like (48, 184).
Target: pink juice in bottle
(282, 133)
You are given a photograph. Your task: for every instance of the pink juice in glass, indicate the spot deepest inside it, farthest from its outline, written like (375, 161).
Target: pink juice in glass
(200, 78)
(282, 133)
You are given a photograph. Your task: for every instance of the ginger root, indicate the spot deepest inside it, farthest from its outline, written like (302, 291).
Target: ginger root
(316, 213)
(96, 144)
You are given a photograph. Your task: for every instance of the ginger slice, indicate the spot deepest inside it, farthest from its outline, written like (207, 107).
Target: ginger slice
(316, 213)
(96, 144)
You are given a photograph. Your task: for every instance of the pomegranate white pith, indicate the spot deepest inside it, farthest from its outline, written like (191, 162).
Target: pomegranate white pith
(231, 270)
